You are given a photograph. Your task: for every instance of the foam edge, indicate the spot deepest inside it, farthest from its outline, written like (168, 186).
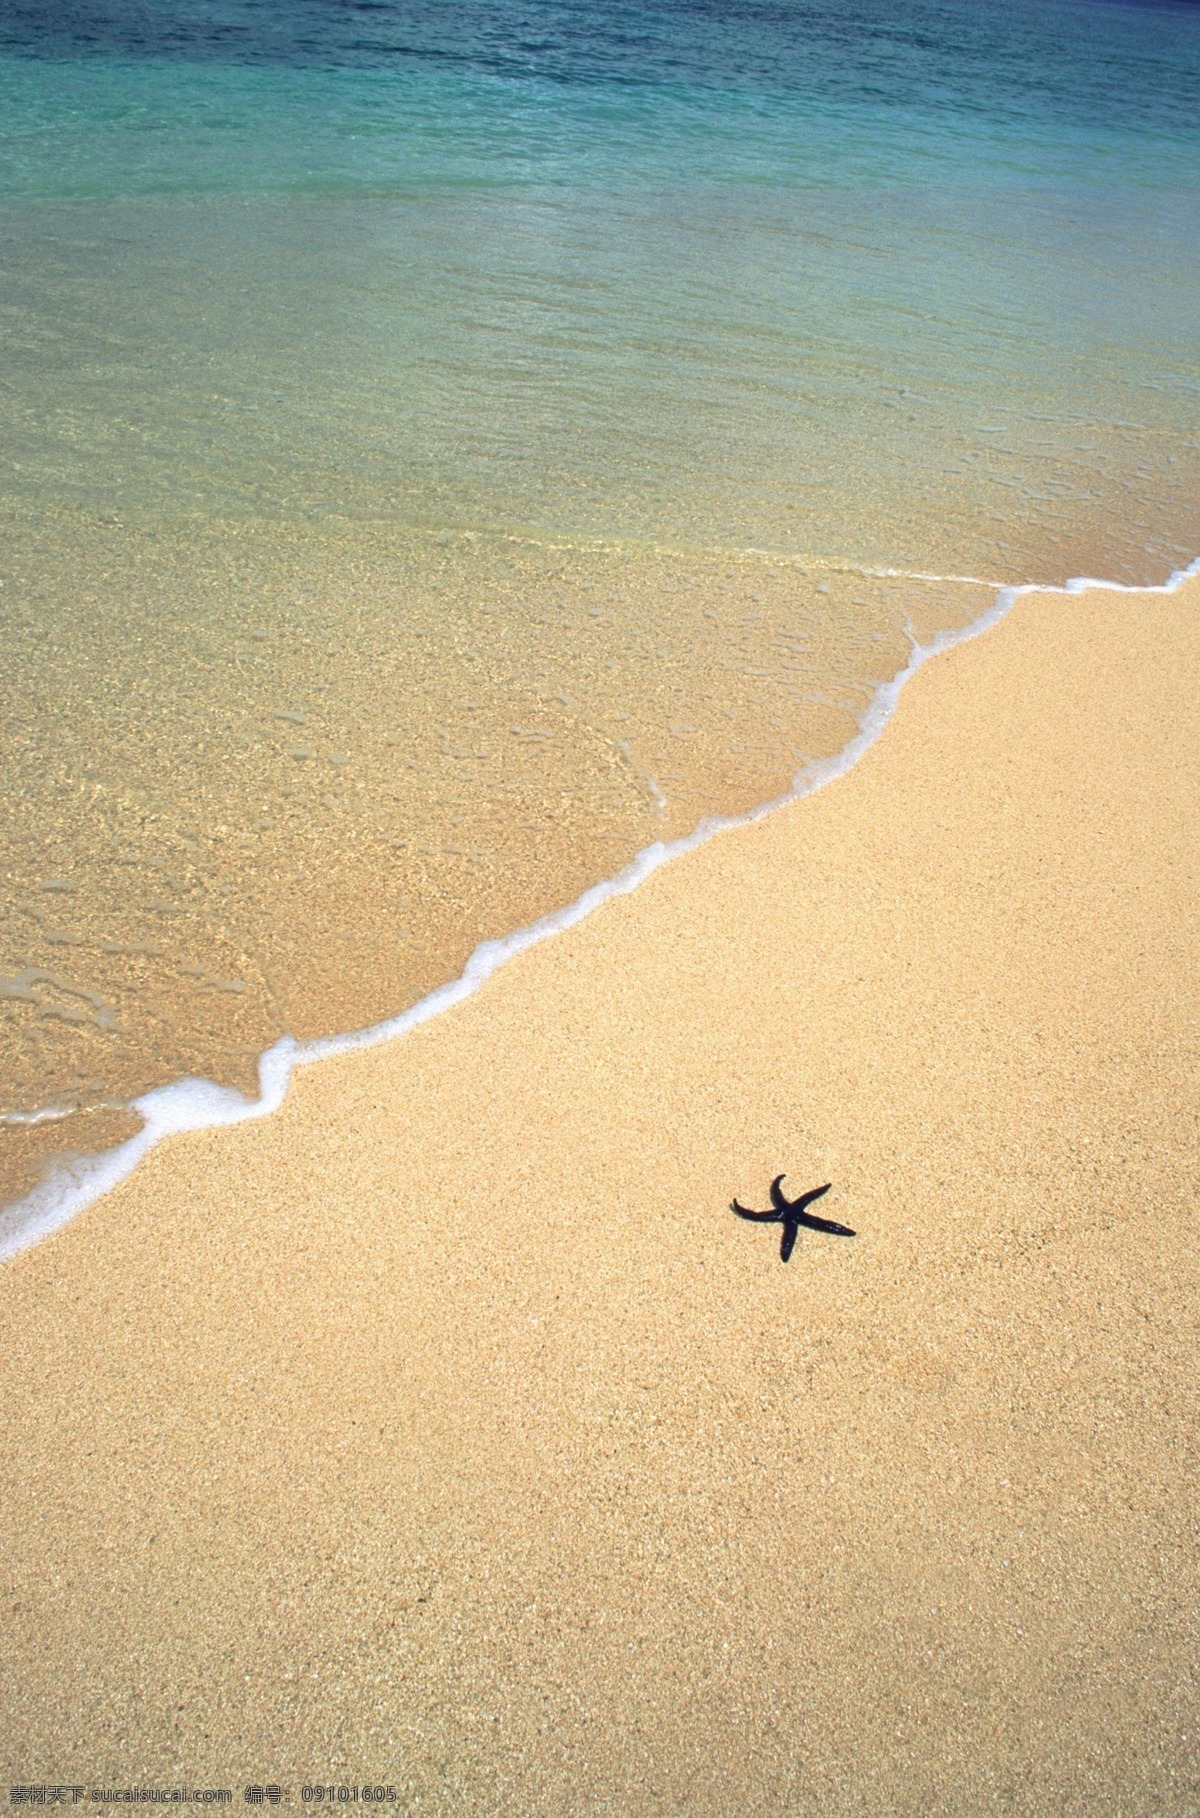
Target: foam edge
(69, 1187)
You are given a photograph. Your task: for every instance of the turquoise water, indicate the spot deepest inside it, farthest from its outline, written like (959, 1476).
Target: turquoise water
(384, 383)
(691, 272)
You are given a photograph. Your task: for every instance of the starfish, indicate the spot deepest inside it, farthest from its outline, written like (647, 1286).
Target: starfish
(790, 1213)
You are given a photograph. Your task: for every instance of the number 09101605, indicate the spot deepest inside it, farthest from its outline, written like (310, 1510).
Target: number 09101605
(348, 1795)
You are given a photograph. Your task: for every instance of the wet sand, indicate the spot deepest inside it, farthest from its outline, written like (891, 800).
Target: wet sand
(260, 781)
(447, 1431)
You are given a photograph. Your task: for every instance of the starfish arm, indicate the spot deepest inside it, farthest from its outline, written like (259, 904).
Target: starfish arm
(777, 1196)
(806, 1199)
(745, 1212)
(825, 1224)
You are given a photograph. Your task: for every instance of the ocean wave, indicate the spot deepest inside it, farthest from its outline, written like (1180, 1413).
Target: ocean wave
(69, 1187)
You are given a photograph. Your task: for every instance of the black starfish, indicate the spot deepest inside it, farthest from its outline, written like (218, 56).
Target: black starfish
(791, 1215)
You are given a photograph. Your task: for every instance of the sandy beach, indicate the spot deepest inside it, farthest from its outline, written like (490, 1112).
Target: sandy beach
(446, 1431)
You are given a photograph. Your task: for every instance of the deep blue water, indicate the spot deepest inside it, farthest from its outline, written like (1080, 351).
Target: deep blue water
(121, 98)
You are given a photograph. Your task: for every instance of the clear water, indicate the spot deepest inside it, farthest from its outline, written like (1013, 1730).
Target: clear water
(520, 398)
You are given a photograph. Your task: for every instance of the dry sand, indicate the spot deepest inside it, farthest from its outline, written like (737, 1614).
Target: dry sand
(446, 1430)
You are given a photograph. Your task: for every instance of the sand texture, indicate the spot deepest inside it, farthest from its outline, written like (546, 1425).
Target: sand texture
(446, 1430)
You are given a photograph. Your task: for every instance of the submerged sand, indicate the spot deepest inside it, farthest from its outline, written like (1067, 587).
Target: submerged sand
(445, 1430)
(260, 780)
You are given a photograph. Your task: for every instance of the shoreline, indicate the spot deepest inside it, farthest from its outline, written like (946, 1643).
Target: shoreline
(445, 1431)
(261, 886)
(189, 1104)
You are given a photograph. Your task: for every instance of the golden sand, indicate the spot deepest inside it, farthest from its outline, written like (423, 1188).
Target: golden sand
(445, 1430)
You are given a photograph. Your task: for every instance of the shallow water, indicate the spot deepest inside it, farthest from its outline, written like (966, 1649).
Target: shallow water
(447, 448)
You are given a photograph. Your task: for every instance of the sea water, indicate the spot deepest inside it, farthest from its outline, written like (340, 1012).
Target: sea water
(449, 447)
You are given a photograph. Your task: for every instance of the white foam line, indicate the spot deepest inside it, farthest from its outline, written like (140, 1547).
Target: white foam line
(198, 1104)
(916, 574)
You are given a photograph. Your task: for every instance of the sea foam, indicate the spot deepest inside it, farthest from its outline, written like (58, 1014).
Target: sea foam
(69, 1187)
